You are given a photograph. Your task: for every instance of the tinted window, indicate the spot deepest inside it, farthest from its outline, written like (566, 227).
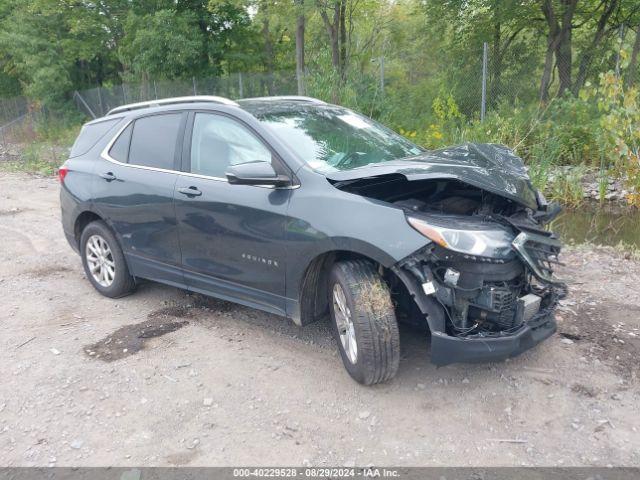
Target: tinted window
(153, 142)
(219, 142)
(120, 148)
(89, 136)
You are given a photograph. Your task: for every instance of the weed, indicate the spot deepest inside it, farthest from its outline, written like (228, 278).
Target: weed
(37, 158)
(376, 298)
(42, 146)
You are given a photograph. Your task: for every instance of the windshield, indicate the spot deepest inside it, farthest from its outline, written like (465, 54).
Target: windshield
(331, 138)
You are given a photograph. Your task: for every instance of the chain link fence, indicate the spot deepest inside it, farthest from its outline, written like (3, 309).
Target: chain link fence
(478, 85)
(96, 102)
(17, 119)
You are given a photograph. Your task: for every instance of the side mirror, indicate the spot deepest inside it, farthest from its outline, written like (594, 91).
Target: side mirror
(256, 173)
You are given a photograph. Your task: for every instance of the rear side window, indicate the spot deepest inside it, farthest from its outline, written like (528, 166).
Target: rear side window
(89, 136)
(153, 141)
(120, 148)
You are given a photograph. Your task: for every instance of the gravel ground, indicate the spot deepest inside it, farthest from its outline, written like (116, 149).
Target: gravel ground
(204, 382)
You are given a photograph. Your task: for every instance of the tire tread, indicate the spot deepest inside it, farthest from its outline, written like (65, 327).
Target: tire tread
(379, 341)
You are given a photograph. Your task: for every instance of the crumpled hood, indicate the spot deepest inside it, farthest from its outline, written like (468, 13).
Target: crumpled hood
(491, 167)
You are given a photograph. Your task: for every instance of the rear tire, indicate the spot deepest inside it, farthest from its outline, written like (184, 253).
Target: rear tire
(104, 262)
(364, 322)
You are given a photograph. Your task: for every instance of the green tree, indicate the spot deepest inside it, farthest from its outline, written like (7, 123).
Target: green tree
(165, 44)
(51, 47)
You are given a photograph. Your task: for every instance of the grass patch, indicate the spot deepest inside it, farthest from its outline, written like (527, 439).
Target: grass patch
(39, 146)
(35, 158)
(566, 187)
(562, 184)
(630, 251)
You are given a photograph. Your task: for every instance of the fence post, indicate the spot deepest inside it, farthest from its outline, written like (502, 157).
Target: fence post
(485, 57)
(382, 76)
(195, 91)
(240, 84)
(79, 97)
(100, 100)
(621, 36)
(124, 94)
(155, 89)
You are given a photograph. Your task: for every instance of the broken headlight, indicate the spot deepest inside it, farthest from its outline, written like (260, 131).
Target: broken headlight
(465, 236)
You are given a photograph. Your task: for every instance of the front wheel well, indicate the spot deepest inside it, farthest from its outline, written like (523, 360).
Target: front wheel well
(314, 297)
(84, 219)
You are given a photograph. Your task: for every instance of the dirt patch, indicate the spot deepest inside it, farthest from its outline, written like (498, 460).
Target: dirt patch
(570, 336)
(47, 270)
(181, 458)
(584, 390)
(600, 316)
(12, 212)
(177, 311)
(130, 339)
(617, 344)
(210, 304)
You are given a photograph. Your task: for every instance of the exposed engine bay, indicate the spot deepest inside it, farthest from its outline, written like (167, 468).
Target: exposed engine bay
(490, 262)
(437, 196)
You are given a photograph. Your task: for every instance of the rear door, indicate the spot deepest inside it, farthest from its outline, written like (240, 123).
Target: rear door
(231, 236)
(133, 190)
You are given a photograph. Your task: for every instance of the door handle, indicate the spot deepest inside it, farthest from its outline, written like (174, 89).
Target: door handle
(190, 191)
(109, 176)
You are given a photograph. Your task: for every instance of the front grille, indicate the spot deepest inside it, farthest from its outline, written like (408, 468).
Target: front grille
(540, 253)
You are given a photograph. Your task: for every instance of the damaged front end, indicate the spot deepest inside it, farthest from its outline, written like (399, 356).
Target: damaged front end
(485, 280)
(483, 308)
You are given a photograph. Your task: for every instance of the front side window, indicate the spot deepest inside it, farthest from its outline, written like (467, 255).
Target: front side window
(333, 138)
(153, 140)
(219, 142)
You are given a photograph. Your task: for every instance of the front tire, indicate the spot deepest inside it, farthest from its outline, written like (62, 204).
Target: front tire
(364, 322)
(104, 262)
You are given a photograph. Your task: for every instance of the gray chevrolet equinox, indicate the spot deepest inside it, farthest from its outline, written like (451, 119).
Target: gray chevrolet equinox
(305, 209)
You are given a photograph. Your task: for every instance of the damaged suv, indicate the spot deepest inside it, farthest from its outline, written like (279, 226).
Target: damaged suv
(303, 209)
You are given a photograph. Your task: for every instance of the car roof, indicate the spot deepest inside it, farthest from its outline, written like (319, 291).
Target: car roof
(248, 104)
(259, 107)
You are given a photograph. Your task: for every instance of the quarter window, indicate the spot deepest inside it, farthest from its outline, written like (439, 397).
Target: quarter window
(153, 141)
(89, 136)
(120, 148)
(219, 142)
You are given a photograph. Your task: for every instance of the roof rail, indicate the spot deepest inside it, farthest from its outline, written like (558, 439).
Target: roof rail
(291, 98)
(171, 101)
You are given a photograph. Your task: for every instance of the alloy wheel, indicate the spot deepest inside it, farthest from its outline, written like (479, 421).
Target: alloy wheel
(100, 260)
(344, 323)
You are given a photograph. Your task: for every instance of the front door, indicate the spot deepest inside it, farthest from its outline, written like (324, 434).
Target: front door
(133, 190)
(231, 236)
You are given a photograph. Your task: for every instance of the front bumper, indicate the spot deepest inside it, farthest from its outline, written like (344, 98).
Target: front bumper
(446, 349)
